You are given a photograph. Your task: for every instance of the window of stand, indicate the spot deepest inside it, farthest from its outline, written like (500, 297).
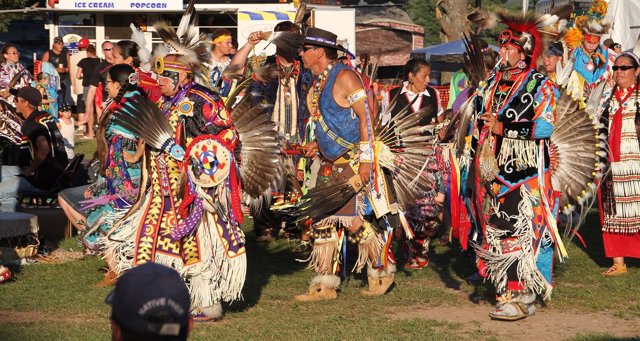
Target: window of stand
(209, 22)
(206, 22)
(82, 24)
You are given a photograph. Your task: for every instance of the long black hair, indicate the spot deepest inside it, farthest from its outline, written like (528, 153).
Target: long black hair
(122, 74)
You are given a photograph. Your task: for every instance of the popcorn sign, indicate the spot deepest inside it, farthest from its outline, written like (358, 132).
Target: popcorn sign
(118, 5)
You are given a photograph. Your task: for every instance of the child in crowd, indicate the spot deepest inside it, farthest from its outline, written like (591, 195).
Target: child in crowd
(49, 95)
(67, 125)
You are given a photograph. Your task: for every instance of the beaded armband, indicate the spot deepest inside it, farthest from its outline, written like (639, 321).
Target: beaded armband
(356, 96)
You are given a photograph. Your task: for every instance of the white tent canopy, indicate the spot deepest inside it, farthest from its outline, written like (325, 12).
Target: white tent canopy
(626, 22)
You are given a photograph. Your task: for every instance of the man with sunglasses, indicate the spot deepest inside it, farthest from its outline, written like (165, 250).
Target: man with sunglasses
(93, 105)
(338, 106)
(60, 57)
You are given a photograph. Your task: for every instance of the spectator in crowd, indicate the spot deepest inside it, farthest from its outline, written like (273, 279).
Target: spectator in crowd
(9, 67)
(150, 302)
(45, 145)
(414, 90)
(616, 47)
(93, 105)
(75, 58)
(59, 56)
(67, 127)
(76, 85)
(49, 94)
(85, 69)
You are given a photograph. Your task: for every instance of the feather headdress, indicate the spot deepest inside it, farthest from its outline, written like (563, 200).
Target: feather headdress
(525, 31)
(595, 22)
(191, 47)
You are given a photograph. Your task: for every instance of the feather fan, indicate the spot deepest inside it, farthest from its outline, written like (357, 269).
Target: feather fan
(327, 198)
(473, 59)
(143, 118)
(285, 40)
(300, 12)
(575, 149)
(260, 167)
(404, 150)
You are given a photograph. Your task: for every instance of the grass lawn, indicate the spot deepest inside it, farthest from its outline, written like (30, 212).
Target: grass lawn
(61, 301)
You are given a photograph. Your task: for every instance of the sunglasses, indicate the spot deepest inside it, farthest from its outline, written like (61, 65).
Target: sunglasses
(622, 67)
(107, 49)
(307, 48)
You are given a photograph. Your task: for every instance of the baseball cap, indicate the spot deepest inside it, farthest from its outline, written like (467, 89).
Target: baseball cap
(556, 49)
(65, 106)
(58, 40)
(84, 42)
(29, 94)
(151, 299)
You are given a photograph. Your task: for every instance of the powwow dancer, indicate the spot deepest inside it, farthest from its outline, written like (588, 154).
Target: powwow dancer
(590, 61)
(93, 209)
(513, 194)
(519, 166)
(618, 196)
(352, 199)
(188, 216)
(425, 214)
(285, 89)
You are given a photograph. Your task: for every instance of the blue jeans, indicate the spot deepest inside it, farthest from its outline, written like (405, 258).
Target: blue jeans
(11, 185)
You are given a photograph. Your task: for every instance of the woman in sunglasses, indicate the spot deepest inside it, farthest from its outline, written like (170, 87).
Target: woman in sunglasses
(10, 66)
(619, 196)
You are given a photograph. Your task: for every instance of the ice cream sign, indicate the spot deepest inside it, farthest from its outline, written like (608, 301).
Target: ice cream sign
(118, 5)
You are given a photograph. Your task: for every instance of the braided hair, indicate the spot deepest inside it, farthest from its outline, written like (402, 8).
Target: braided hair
(120, 73)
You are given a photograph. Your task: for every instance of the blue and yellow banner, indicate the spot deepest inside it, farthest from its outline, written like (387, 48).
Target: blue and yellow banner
(266, 15)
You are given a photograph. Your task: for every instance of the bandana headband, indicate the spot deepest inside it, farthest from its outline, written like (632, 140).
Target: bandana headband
(159, 66)
(221, 39)
(592, 39)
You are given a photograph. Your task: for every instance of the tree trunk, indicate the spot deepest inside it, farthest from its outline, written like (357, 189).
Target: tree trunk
(452, 16)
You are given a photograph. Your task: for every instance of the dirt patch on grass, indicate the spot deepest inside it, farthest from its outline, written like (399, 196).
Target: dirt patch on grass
(36, 316)
(546, 324)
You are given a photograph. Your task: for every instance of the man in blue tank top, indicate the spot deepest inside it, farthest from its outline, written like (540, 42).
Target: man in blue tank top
(338, 106)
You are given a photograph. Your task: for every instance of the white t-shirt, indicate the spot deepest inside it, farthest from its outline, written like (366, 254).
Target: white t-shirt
(68, 131)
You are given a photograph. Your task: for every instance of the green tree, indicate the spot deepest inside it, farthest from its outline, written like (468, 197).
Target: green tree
(6, 18)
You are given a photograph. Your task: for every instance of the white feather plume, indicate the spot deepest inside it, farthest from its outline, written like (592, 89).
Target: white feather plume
(143, 52)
